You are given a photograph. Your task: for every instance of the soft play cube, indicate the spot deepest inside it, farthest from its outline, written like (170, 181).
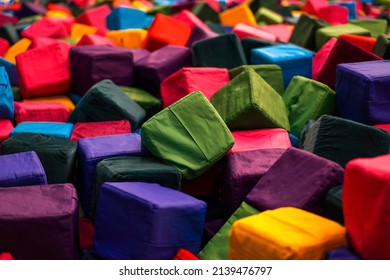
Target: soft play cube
(325, 33)
(364, 42)
(376, 26)
(21, 169)
(92, 150)
(9, 32)
(190, 19)
(305, 100)
(362, 91)
(166, 30)
(128, 38)
(292, 59)
(343, 51)
(249, 43)
(237, 14)
(205, 12)
(263, 236)
(56, 129)
(102, 62)
(242, 172)
(189, 79)
(342, 253)
(57, 155)
(215, 51)
(28, 9)
(266, 138)
(63, 99)
(152, 222)
(6, 127)
(156, 67)
(243, 30)
(93, 129)
(40, 112)
(40, 222)
(333, 207)
(126, 17)
(198, 34)
(365, 192)
(44, 71)
(310, 178)
(271, 73)
(382, 46)
(249, 102)
(78, 30)
(106, 102)
(180, 136)
(6, 96)
(328, 138)
(45, 27)
(93, 39)
(95, 17)
(135, 169)
(321, 56)
(11, 70)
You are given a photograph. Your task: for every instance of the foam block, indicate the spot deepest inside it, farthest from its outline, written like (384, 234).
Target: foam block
(249, 140)
(183, 254)
(305, 100)
(8, 32)
(375, 26)
(342, 253)
(4, 45)
(213, 52)
(12, 73)
(16, 49)
(93, 129)
(382, 46)
(365, 208)
(166, 30)
(258, 106)
(156, 67)
(364, 42)
(238, 14)
(243, 30)
(334, 14)
(45, 27)
(249, 43)
(292, 59)
(6, 127)
(189, 79)
(22, 169)
(56, 155)
(103, 62)
(321, 56)
(333, 208)
(44, 71)
(95, 17)
(40, 111)
(62, 99)
(242, 172)
(145, 215)
(78, 30)
(198, 34)
(56, 129)
(92, 150)
(190, 19)
(50, 217)
(342, 52)
(6, 96)
(361, 89)
(250, 239)
(129, 38)
(327, 138)
(106, 102)
(30, 9)
(126, 17)
(162, 134)
(95, 40)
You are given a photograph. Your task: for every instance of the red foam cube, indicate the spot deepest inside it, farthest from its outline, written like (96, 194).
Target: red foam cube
(189, 18)
(96, 17)
(4, 46)
(46, 27)
(44, 71)
(184, 254)
(93, 129)
(95, 40)
(6, 127)
(243, 30)
(40, 112)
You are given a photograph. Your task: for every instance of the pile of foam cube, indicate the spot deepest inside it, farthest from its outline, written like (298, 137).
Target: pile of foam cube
(184, 129)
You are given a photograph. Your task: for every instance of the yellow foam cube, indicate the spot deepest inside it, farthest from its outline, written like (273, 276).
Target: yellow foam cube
(285, 233)
(78, 30)
(238, 14)
(57, 14)
(17, 48)
(129, 38)
(139, 5)
(63, 99)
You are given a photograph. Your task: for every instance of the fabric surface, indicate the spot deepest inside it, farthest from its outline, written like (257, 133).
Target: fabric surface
(6, 127)
(328, 138)
(183, 254)
(23, 169)
(305, 192)
(180, 137)
(249, 43)
(48, 213)
(56, 129)
(11, 70)
(333, 208)
(56, 155)
(40, 112)
(103, 62)
(213, 52)
(262, 236)
(198, 34)
(63, 99)
(382, 46)
(6, 96)
(361, 89)
(292, 59)
(343, 253)
(365, 192)
(321, 56)
(93, 129)
(151, 222)
(106, 102)
(92, 150)
(249, 102)
(305, 100)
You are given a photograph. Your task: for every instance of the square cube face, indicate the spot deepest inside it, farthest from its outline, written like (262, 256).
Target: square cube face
(151, 222)
(263, 236)
(56, 129)
(292, 59)
(92, 64)
(362, 91)
(6, 127)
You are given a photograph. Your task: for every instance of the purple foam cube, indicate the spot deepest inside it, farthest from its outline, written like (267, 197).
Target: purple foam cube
(362, 91)
(298, 179)
(21, 169)
(93, 150)
(92, 64)
(243, 171)
(160, 64)
(145, 221)
(39, 222)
